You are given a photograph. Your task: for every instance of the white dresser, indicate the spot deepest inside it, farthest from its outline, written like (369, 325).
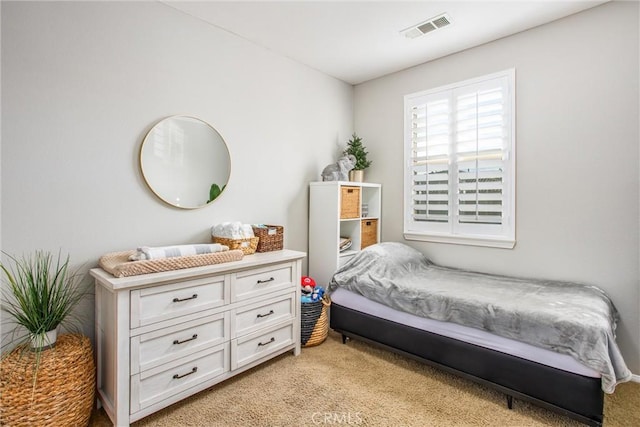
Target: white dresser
(162, 337)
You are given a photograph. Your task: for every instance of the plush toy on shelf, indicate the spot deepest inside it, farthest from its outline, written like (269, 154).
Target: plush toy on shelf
(339, 171)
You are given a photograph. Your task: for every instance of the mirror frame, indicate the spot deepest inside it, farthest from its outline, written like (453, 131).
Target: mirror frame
(216, 138)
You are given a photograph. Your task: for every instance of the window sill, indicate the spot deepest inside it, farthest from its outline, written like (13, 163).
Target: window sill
(486, 241)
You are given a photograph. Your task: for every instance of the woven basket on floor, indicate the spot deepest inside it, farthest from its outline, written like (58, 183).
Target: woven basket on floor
(314, 322)
(64, 390)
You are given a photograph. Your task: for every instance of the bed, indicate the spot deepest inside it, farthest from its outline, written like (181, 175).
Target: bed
(547, 342)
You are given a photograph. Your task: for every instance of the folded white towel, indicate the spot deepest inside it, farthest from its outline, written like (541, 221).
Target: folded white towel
(232, 230)
(247, 231)
(145, 252)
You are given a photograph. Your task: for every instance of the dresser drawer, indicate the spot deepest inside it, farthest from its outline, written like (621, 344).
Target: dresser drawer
(252, 347)
(258, 282)
(159, 347)
(151, 305)
(255, 316)
(157, 384)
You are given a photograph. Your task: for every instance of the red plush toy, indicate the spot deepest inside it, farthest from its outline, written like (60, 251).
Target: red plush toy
(307, 284)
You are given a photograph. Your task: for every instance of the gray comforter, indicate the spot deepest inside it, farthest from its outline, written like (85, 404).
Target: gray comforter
(564, 317)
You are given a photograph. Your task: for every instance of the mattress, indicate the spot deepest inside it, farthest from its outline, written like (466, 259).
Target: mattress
(467, 334)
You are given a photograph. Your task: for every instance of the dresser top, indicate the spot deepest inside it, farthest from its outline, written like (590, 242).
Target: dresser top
(248, 261)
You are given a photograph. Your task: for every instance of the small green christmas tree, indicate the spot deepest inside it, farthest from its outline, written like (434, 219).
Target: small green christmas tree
(355, 148)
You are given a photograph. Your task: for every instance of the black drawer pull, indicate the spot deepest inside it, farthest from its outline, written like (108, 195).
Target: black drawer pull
(193, 371)
(194, 296)
(187, 340)
(260, 344)
(271, 279)
(265, 315)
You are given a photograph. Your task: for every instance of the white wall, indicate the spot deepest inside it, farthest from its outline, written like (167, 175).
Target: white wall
(578, 158)
(82, 82)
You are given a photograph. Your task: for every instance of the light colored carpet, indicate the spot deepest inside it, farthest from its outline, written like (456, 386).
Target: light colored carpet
(358, 384)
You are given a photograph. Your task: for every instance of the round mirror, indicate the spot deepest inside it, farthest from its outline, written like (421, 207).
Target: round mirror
(185, 162)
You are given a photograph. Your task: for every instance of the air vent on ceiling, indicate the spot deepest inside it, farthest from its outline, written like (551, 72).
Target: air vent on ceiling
(427, 26)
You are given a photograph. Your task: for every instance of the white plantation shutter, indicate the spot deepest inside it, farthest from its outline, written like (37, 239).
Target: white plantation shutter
(460, 162)
(430, 160)
(481, 130)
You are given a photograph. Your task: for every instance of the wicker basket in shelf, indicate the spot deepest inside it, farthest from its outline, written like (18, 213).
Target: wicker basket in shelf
(314, 321)
(271, 238)
(247, 246)
(349, 202)
(63, 394)
(369, 232)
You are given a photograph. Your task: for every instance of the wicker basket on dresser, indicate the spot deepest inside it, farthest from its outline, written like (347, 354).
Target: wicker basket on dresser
(162, 337)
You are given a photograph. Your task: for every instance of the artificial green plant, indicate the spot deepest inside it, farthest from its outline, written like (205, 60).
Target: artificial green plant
(357, 149)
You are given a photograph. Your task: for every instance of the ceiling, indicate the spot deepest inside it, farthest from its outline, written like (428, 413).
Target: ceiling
(356, 41)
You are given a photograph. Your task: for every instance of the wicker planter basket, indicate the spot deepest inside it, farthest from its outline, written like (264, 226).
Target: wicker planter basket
(271, 238)
(247, 246)
(314, 322)
(64, 389)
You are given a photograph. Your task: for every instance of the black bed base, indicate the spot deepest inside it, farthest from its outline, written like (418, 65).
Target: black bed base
(573, 395)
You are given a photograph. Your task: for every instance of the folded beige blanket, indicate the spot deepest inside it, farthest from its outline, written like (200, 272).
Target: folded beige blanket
(118, 264)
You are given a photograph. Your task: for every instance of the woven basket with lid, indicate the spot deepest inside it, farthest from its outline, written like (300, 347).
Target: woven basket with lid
(64, 390)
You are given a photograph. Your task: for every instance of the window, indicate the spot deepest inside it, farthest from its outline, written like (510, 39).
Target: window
(460, 162)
